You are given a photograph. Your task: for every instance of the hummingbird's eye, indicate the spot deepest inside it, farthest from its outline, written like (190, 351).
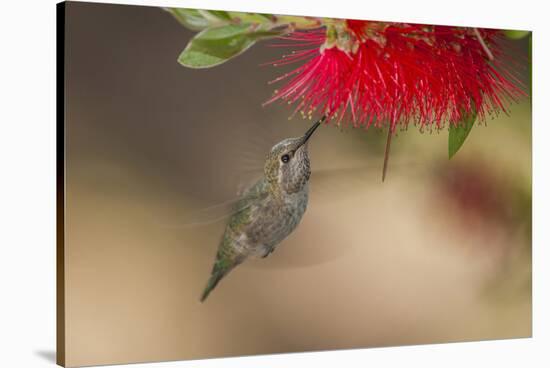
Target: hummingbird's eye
(285, 158)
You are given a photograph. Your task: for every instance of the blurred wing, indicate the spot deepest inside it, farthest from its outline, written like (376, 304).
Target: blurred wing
(207, 215)
(235, 164)
(195, 217)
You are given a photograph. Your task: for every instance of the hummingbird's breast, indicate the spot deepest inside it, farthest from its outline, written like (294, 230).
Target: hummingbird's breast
(276, 219)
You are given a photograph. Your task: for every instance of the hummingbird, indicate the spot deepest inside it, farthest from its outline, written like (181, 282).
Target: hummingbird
(269, 210)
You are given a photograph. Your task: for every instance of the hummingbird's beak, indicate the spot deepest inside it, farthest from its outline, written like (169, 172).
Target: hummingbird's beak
(310, 131)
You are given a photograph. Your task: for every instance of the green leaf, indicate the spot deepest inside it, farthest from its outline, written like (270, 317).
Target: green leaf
(220, 14)
(189, 18)
(255, 18)
(516, 35)
(214, 46)
(459, 133)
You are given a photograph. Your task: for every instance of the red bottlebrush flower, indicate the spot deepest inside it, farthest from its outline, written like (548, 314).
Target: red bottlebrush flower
(376, 73)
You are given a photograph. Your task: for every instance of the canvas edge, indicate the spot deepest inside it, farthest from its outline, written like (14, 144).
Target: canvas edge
(60, 184)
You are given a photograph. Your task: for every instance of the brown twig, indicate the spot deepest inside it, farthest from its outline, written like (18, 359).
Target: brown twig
(483, 44)
(387, 154)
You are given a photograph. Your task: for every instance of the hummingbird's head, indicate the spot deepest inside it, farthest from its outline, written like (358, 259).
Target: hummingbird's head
(287, 164)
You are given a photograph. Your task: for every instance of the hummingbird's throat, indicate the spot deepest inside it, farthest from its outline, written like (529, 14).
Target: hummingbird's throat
(293, 177)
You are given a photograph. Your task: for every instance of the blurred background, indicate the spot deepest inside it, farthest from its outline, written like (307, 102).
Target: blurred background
(439, 252)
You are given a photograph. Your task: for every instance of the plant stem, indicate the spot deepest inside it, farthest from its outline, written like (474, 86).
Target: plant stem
(483, 44)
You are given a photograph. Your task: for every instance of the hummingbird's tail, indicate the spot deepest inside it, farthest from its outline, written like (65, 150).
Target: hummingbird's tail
(226, 259)
(216, 276)
(221, 268)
